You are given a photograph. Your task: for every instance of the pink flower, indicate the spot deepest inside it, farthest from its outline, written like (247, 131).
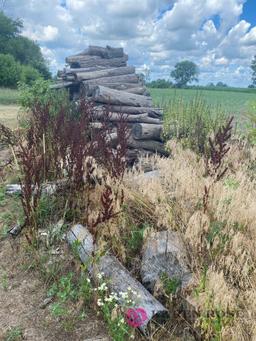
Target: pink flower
(136, 317)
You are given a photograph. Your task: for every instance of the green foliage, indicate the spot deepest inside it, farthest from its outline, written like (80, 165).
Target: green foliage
(24, 50)
(29, 74)
(185, 72)
(251, 127)
(160, 84)
(192, 123)
(171, 285)
(14, 334)
(232, 183)
(10, 71)
(40, 93)
(9, 27)
(134, 243)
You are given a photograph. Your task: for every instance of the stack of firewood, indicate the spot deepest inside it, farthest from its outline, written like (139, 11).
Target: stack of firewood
(102, 75)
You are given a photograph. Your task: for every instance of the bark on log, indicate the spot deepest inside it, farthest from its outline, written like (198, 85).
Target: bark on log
(117, 276)
(130, 78)
(87, 90)
(126, 70)
(164, 252)
(85, 69)
(115, 117)
(143, 131)
(154, 113)
(61, 85)
(153, 146)
(105, 52)
(103, 94)
(94, 61)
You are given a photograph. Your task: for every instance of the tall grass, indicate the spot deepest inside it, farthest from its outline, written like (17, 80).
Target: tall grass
(192, 122)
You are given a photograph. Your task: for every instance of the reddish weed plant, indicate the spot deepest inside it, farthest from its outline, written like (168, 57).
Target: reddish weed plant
(68, 145)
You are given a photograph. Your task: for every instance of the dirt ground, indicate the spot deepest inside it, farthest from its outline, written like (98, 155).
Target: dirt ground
(22, 294)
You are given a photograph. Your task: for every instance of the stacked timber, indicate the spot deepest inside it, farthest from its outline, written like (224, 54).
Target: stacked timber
(103, 76)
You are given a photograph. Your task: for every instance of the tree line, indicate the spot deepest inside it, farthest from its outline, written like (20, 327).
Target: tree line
(186, 72)
(21, 59)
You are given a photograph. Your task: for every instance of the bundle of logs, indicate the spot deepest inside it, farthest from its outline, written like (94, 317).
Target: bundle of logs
(102, 75)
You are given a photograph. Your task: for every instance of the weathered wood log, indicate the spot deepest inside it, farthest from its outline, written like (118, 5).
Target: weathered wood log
(126, 70)
(105, 52)
(130, 78)
(143, 131)
(106, 95)
(120, 86)
(88, 90)
(116, 117)
(67, 71)
(154, 146)
(61, 85)
(117, 276)
(152, 112)
(164, 253)
(81, 61)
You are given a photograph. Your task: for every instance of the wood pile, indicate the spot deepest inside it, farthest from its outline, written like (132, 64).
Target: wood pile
(102, 75)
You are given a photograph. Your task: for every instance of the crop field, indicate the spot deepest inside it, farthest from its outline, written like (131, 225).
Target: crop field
(8, 96)
(232, 102)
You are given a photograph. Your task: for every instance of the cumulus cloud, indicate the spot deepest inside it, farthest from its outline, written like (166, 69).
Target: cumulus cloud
(155, 33)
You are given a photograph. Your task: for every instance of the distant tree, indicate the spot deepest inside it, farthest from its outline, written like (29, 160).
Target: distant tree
(221, 85)
(253, 67)
(10, 71)
(160, 84)
(210, 85)
(185, 72)
(21, 48)
(251, 86)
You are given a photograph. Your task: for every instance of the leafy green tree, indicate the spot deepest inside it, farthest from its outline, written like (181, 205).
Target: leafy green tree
(21, 48)
(221, 85)
(160, 84)
(185, 72)
(29, 74)
(253, 67)
(10, 71)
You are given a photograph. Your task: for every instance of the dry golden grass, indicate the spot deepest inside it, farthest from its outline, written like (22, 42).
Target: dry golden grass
(9, 115)
(221, 240)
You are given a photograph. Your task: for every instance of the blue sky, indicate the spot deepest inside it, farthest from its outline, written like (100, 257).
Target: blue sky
(218, 35)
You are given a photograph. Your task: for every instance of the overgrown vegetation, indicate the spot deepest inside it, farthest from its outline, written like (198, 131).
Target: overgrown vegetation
(21, 59)
(206, 191)
(192, 122)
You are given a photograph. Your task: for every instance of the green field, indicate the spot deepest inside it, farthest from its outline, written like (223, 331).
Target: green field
(232, 102)
(8, 96)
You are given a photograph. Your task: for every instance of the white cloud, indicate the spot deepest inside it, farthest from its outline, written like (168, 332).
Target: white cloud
(157, 33)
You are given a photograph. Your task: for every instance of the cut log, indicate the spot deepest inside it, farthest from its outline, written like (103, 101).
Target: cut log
(143, 131)
(85, 69)
(88, 90)
(155, 113)
(105, 52)
(164, 253)
(116, 117)
(126, 70)
(82, 61)
(117, 276)
(130, 78)
(154, 146)
(103, 94)
(61, 85)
